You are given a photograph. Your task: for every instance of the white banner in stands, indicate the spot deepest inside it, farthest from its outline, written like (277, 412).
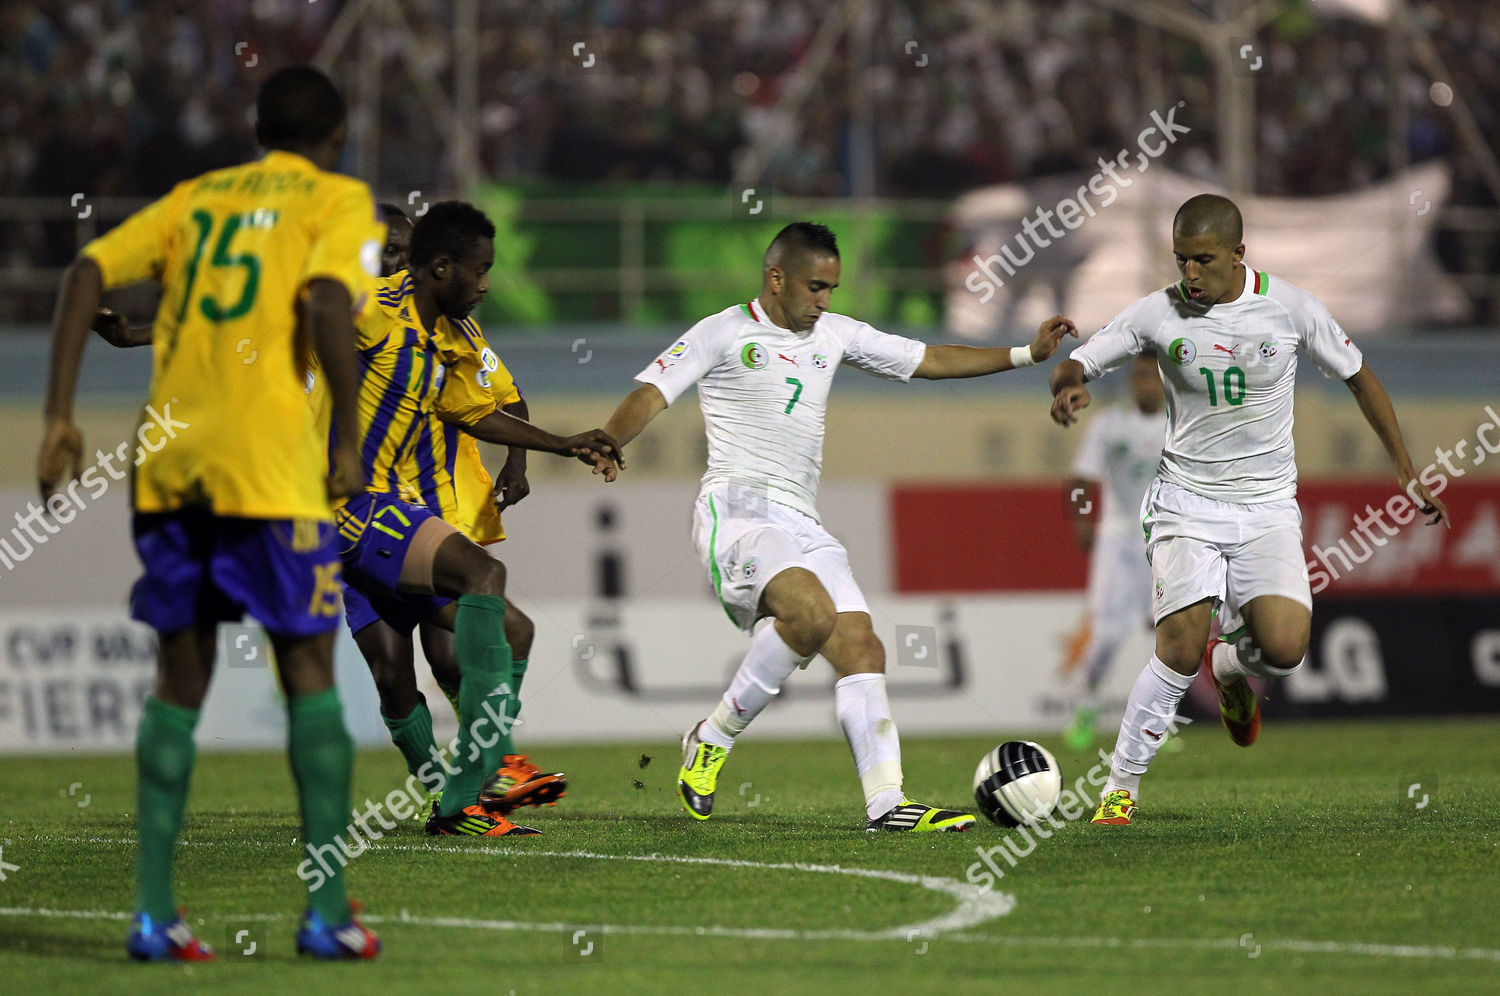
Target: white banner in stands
(600, 671)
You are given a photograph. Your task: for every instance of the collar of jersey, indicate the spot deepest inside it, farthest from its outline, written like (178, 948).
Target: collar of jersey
(289, 160)
(396, 296)
(758, 316)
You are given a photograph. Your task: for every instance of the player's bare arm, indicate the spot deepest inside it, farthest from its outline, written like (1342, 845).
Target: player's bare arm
(595, 447)
(510, 484)
(944, 362)
(327, 309)
(1069, 395)
(114, 328)
(61, 457)
(635, 413)
(1375, 403)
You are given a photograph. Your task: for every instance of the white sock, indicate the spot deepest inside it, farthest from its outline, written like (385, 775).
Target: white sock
(1232, 661)
(767, 664)
(865, 714)
(1152, 706)
(1226, 663)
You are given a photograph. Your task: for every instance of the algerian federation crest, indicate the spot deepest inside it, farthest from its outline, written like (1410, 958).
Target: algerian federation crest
(1182, 352)
(754, 356)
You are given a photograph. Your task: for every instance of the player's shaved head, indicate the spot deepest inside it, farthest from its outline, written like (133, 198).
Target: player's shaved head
(449, 228)
(799, 240)
(298, 108)
(1210, 214)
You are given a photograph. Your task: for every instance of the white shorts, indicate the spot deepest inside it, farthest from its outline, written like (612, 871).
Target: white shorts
(1204, 548)
(745, 540)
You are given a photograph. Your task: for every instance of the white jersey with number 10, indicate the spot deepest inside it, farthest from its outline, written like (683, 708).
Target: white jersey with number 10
(1229, 374)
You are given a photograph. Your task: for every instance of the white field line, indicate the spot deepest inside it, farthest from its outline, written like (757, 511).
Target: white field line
(972, 909)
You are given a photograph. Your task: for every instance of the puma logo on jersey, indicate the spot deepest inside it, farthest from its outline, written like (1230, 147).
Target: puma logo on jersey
(663, 364)
(1226, 349)
(1151, 733)
(789, 359)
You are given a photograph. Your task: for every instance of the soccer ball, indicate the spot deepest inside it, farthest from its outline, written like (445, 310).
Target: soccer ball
(1017, 782)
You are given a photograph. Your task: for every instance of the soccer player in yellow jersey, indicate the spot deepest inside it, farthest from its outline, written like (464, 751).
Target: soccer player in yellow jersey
(447, 475)
(261, 266)
(403, 558)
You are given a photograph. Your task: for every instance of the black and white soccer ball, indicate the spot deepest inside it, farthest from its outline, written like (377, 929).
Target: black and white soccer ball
(1018, 782)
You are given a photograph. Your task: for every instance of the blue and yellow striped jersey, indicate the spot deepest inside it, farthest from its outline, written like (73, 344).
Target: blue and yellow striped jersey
(401, 376)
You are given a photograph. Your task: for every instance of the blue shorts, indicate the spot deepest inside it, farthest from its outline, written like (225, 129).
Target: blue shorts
(201, 567)
(377, 531)
(401, 612)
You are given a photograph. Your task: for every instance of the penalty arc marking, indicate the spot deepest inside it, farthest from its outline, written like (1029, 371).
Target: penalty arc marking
(973, 908)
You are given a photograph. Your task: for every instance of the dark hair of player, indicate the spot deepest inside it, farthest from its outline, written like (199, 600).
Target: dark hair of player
(297, 108)
(449, 228)
(1210, 213)
(798, 239)
(391, 213)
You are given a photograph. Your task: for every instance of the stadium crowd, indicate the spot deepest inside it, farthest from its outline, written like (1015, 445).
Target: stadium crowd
(128, 96)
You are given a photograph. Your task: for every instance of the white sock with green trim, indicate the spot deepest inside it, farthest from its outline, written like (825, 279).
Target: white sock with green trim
(865, 714)
(767, 664)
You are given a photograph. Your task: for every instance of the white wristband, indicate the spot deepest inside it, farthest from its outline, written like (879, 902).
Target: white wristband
(1020, 356)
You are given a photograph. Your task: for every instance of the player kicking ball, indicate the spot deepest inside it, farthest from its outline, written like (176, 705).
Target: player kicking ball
(1221, 518)
(763, 371)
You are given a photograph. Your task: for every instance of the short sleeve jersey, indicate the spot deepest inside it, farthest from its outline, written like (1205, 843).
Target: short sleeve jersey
(764, 392)
(477, 383)
(1121, 449)
(1229, 371)
(234, 251)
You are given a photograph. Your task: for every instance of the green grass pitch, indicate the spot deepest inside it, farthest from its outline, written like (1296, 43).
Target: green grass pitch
(1303, 864)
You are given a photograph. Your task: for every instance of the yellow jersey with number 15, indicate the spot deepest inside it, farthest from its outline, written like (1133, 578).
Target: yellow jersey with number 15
(236, 423)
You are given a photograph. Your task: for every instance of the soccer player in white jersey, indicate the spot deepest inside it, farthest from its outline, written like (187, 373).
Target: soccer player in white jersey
(1114, 465)
(763, 371)
(1221, 517)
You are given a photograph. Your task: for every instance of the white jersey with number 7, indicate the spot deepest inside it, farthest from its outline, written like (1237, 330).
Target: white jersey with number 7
(764, 393)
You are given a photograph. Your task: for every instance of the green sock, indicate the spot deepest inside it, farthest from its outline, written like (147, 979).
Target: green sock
(513, 706)
(484, 665)
(322, 759)
(164, 766)
(413, 736)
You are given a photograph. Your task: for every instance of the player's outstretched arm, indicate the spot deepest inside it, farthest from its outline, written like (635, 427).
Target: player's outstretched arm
(511, 484)
(1376, 406)
(1069, 394)
(636, 412)
(945, 362)
(594, 447)
(328, 311)
(114, 328)
(61, 457)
